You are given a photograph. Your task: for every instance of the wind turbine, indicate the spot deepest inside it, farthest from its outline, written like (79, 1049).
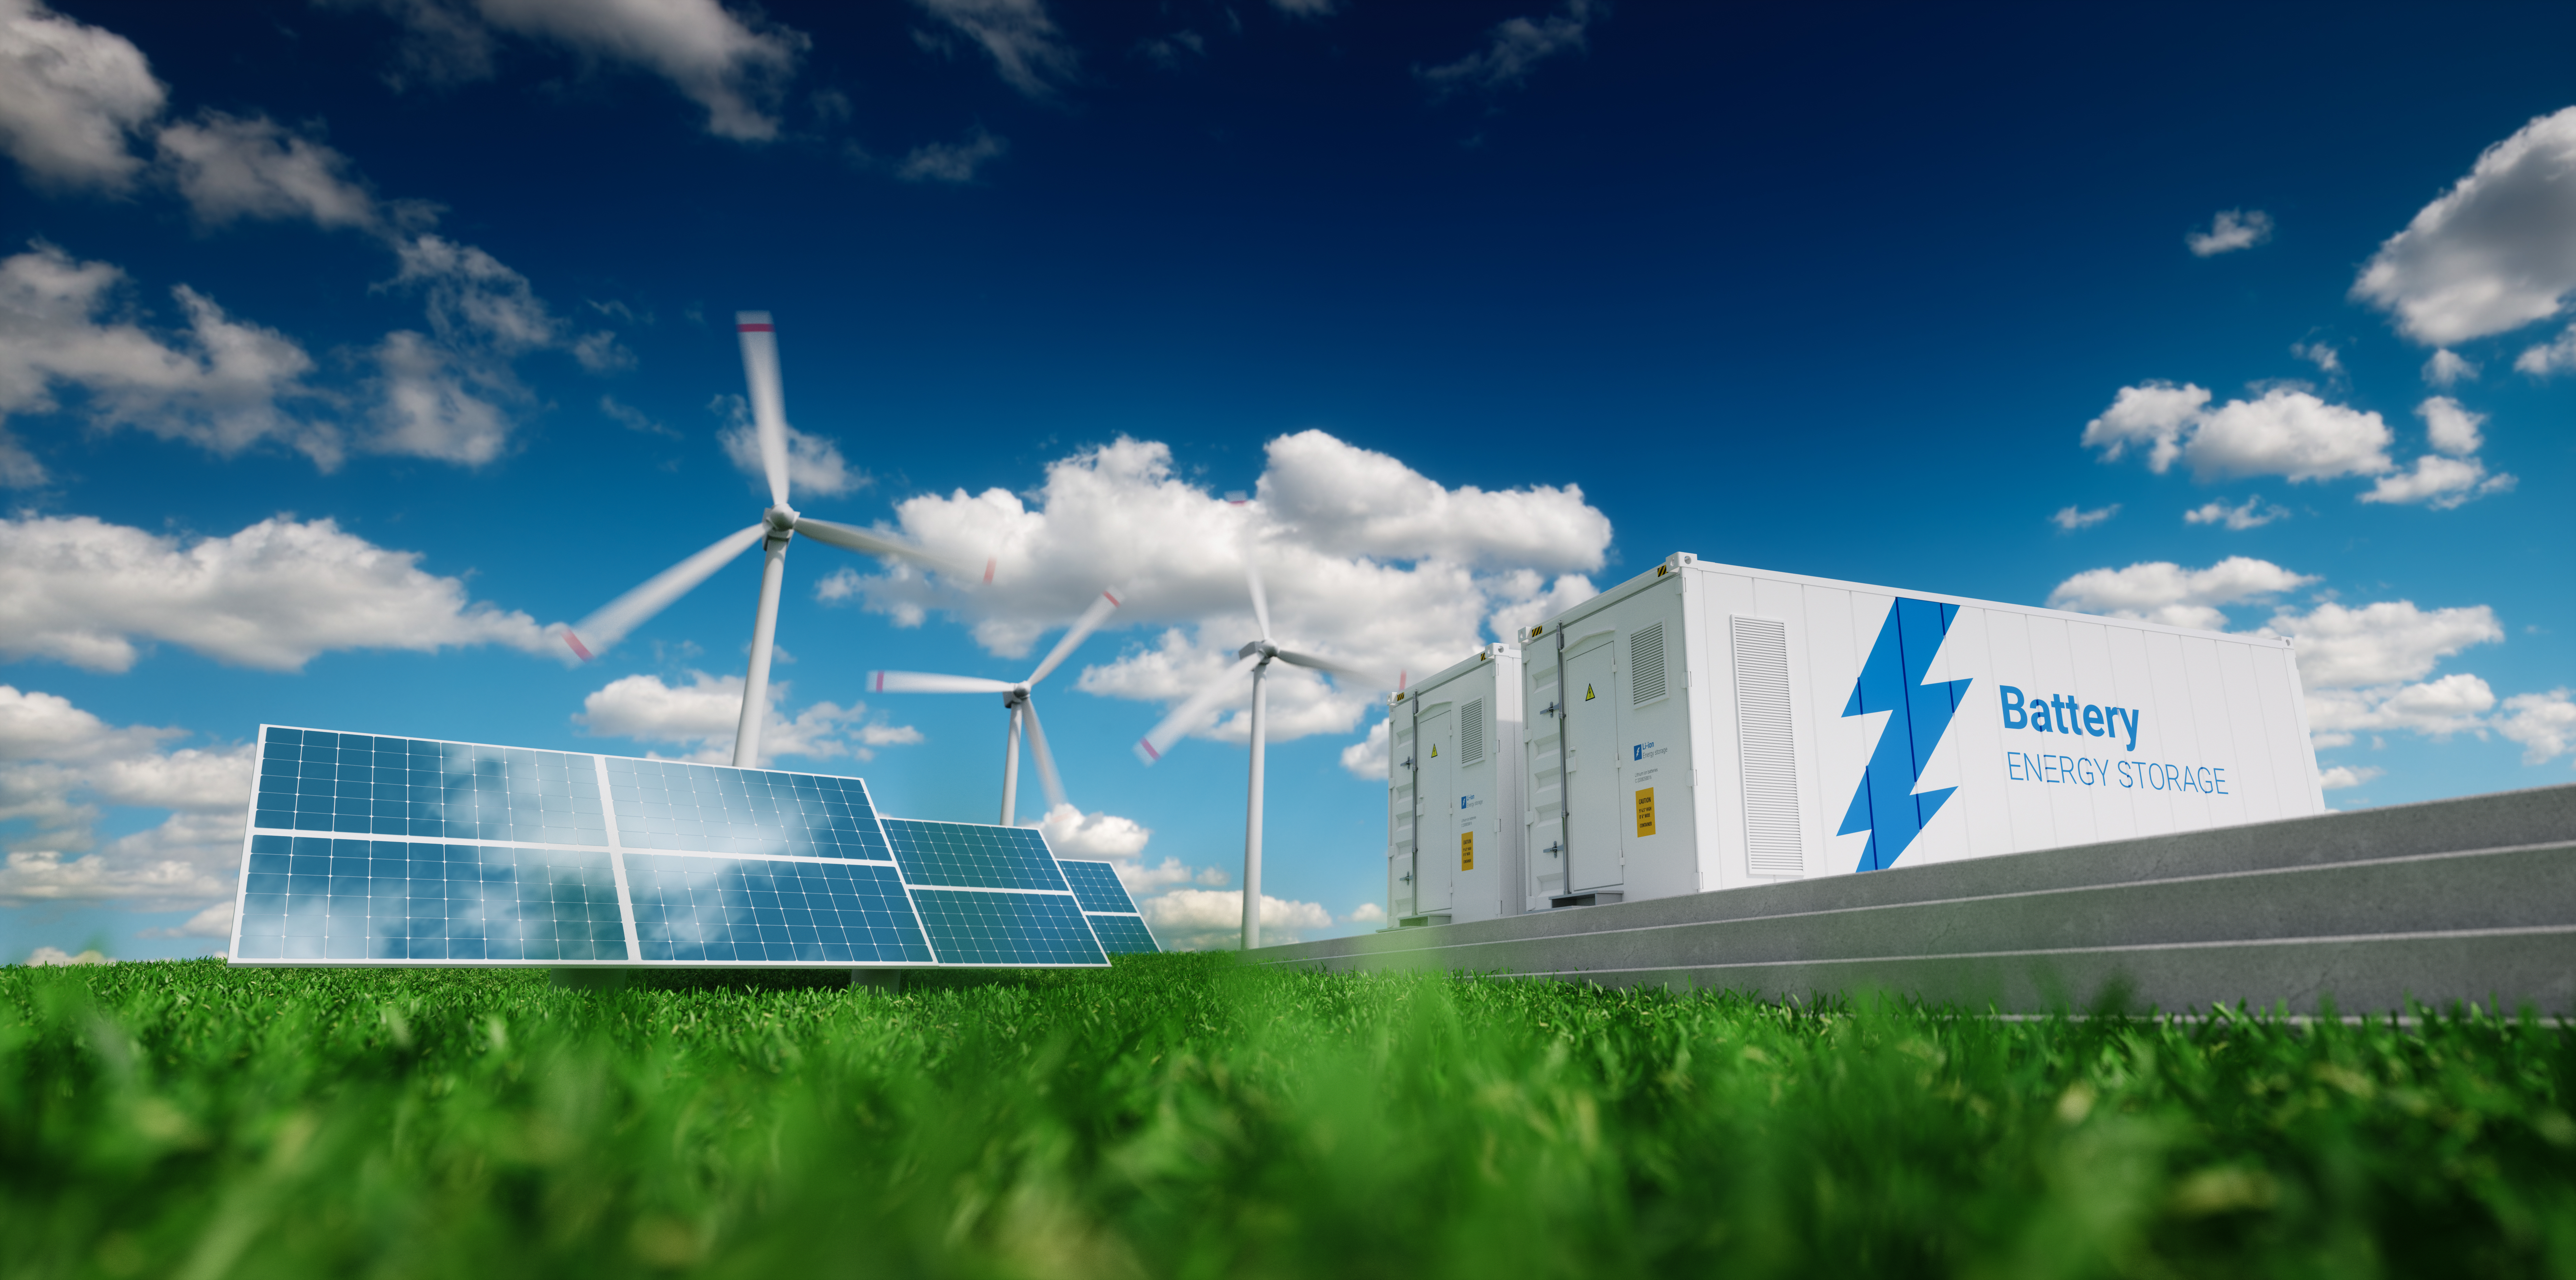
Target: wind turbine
(1016, 698)
(777, 525)
(1256, 658)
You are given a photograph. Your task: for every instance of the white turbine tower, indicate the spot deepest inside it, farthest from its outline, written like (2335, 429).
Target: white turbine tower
(1256, 658)
(1016, 698)
(594, 634)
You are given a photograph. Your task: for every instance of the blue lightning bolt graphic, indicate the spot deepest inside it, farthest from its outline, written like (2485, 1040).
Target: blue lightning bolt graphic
(1886, 805)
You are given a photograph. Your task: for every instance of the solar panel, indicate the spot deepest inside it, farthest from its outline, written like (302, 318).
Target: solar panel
(1123, 935)
(970, 927)
(969, 855)
(406, 851)
(1096, 883)
(730, 910)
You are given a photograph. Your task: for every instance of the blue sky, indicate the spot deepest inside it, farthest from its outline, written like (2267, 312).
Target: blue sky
(346, 348)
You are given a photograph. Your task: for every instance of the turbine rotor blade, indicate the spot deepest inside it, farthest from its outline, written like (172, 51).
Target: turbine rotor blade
(849, 538)
(594, 634)
(1047, 776)
(1260, 598)
(1186, 717)
(920, 682)
(1354, 674)
(1081, 630)
(768, 400)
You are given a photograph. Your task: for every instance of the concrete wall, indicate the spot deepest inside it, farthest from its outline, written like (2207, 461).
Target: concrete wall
(2451, 900)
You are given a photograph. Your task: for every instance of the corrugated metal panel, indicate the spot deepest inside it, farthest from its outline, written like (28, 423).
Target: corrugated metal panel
(1471, 733)
(1773, 843)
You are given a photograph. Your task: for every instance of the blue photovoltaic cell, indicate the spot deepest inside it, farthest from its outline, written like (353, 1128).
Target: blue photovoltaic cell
(355, 783)
(1123, 935)
(743, 909)
(701, 808)
(1006, 928)
(971, 855)
(316, 898)
(1096, 883)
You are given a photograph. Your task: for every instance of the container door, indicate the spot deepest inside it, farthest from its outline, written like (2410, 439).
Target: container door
(1593, 809)
(1436, 738)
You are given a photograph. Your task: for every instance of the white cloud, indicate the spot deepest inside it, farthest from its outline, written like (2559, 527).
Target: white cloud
(2456, 703)
(82, 591)
(2446, 368)
(219, 384)
(951, 161)
(2493, 253)
(432, 403)
(2152, 415)
(1212, 919)
(1367, 913)
(2438, 482)
(700, 718)
(1512, 47)
(1027, 49)
(69, 95)
(475, 299)
(732, 63)
(1344, 500)
(2287, 433)
(229, 167)
(52, 956)
(633, 419)
(2324, 357)
(1366, 758)
(2165, 592)
(1075, 834)
(213, 922)
(60, 764)
(2544, 723)
(1380, 590)
(2452, 429)
(2072, 518)
(814, 463)
(2379, 644)
(2230, 230)
(2249, 514)
(2345, 777)
(2542, 359)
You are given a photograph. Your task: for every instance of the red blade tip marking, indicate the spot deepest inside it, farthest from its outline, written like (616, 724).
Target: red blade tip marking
(988, 571)
(1149, 748)
(575, 642)
(1113, 600)
(756, 328)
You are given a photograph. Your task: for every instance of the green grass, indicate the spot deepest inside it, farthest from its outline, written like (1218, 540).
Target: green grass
(1183, 1116)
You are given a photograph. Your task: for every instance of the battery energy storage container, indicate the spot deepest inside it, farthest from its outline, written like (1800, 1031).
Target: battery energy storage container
(1455, 821)
(1704, 726)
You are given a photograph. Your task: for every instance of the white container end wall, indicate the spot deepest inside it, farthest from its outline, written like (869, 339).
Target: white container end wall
(1455, 821)
(1707, 726)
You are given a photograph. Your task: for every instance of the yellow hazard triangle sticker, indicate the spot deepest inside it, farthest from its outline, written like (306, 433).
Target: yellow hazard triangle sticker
(1435, 751)
(1587, 693)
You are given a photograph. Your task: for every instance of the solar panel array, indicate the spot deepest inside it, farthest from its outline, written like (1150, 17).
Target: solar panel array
(1113, 916)
(377, 850)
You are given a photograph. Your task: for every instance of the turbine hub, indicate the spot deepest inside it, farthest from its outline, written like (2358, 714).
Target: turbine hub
(782, 518)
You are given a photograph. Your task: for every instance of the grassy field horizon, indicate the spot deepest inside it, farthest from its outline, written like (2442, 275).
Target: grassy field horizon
(1185, 1115)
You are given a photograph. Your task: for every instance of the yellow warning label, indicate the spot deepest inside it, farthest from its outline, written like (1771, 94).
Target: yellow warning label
(1435, 751)
(1646, 812)
(1587, 693)
(1466, 851)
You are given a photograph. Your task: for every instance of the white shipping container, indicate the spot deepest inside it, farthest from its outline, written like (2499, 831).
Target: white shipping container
(1455, 820)
(1707, 726)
